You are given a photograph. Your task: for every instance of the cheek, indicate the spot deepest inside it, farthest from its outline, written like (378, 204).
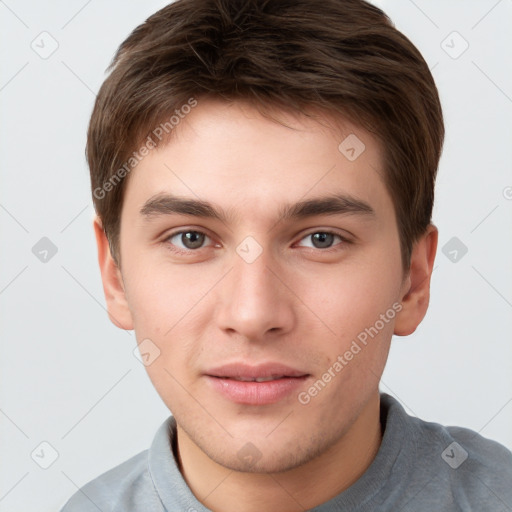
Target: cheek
(170, 307)
(160, 296)
(356, 303)
(350, 298)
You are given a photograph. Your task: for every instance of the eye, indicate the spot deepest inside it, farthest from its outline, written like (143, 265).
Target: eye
(322, 240)
(188, 240)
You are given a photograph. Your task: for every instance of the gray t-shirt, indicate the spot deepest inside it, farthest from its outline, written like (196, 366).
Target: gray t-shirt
(420, 467)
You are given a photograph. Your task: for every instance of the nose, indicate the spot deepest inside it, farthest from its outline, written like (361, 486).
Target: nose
(254, 300)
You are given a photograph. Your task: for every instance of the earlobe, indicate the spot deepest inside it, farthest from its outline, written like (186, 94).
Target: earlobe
(416, 289)
(113, 288)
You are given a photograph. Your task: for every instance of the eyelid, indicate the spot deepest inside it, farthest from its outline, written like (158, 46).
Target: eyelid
(166, 239)
(344, 238)
(185, 229)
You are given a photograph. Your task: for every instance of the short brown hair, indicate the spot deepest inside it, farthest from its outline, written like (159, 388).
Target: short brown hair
(341, 56)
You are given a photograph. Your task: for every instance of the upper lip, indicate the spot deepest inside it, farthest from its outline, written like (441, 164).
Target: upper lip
(246, 371)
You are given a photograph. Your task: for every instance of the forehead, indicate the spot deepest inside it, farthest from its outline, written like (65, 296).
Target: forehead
(232, 155)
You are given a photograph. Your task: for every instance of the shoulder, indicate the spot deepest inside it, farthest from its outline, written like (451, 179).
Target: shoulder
(114, 488)
(131, 486)
(460, 445)
(474, 470)
(453, 468)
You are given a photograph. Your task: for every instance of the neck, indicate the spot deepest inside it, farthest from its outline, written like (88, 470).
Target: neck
(302, 488)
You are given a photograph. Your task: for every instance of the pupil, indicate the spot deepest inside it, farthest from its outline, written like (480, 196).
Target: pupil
(192, 239)
(322, 240)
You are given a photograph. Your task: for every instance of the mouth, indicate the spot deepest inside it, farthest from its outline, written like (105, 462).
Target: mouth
(256, 385)
(257, 379)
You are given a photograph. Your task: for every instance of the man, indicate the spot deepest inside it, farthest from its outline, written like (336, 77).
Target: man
(263, 174)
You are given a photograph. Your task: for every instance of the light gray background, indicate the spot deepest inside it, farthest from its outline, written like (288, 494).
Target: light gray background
(69, 377)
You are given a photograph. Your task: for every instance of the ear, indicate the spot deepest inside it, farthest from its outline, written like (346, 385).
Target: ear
(415, 291)
(117, 305)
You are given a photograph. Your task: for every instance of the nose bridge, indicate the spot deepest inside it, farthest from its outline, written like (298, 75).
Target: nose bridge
(254, 301)
(254, 278)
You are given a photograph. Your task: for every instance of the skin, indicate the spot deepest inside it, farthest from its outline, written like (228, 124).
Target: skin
(295, 304)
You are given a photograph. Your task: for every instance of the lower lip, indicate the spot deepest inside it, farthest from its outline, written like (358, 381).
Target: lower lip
(256, 393)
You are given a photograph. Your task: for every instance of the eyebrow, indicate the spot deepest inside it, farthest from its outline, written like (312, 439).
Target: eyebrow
(335, 204)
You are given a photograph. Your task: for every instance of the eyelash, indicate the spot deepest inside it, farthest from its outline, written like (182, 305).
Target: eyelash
(187, 252)
(336, 247)
(177, 250)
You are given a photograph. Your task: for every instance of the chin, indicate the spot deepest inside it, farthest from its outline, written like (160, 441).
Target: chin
(270, 458)
(274, 463)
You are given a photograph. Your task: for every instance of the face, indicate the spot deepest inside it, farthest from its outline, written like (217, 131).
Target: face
(253, 250)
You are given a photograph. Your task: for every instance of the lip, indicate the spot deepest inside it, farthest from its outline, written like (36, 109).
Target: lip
(286, 380)
(243, 370)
